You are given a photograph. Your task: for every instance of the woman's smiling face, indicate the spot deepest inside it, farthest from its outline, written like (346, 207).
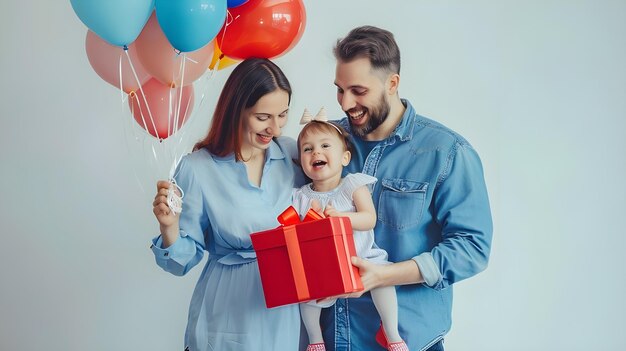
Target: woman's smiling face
(264, 121)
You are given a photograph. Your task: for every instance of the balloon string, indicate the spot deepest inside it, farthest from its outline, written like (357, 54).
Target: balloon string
(169, 111)
(145, 126)
(189, 59)
(131, 95)
(127, 128)
(174, 201)
(121, 83)
(141, 113)
(180, 94)
(182, 79)
(170, 108)
(202, 89)
(229, 20)
(180, 134)
(186, 112)
(212, 73)
(143, 95)
(154, 153)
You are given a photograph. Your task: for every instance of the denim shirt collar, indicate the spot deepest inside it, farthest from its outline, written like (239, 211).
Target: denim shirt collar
(404, 130)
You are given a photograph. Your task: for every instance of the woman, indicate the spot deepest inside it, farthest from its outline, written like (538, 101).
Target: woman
(236, 182)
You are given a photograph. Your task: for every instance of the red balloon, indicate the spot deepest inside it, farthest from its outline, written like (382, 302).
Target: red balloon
(262, 28)
(163, 103)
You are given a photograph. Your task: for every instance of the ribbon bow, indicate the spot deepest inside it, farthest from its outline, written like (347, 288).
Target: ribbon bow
(290, 216)
(320, 116)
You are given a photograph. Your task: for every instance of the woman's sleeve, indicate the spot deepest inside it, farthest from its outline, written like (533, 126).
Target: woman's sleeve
(189, 248)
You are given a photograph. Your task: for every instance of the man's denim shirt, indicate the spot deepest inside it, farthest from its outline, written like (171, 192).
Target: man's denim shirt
(433, 208)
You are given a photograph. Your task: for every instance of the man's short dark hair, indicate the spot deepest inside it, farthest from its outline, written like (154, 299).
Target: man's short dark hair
(376, 44)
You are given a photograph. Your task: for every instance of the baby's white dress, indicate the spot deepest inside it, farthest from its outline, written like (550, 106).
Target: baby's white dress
(341, 199)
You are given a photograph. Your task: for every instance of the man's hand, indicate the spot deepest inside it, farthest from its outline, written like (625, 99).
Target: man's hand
(370, 276)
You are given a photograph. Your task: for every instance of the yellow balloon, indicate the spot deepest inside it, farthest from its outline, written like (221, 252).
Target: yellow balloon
(220, 60)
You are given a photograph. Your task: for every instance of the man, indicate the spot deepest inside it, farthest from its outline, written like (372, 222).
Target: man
(431, 200)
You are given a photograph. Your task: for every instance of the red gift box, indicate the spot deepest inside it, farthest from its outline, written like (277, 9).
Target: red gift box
(308, 260)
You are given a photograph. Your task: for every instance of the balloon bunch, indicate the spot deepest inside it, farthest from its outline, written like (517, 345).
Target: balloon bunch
(153, 50)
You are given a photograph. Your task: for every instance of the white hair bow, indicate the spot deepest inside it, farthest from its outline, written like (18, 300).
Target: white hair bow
(320, 116)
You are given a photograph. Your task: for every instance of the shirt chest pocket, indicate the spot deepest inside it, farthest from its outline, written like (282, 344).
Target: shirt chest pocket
(401, 202)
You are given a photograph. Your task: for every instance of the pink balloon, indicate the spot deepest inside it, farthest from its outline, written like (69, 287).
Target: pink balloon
(161, 98)
(163, 62)
(105, 60)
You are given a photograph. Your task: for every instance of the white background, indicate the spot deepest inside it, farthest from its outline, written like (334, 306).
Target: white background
(538, 87)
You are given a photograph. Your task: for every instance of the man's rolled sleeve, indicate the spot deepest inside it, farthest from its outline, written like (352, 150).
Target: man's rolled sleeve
(429, 269)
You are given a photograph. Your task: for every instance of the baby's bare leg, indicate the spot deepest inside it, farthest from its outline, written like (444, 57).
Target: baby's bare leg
(311, 317)
(386, 303)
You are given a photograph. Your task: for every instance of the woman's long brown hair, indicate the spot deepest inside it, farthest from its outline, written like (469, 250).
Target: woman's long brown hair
(252, 79)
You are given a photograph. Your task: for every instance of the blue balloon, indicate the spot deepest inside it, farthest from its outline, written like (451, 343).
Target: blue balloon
(119, 22)
(190, 24)
(235, 3)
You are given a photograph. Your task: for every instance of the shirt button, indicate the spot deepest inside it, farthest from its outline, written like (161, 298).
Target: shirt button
(340, 309)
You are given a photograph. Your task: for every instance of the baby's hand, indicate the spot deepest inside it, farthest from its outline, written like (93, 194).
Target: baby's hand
(316, 206)
(330, 211)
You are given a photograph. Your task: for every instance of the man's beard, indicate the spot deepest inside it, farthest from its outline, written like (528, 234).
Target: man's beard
(376, 116)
